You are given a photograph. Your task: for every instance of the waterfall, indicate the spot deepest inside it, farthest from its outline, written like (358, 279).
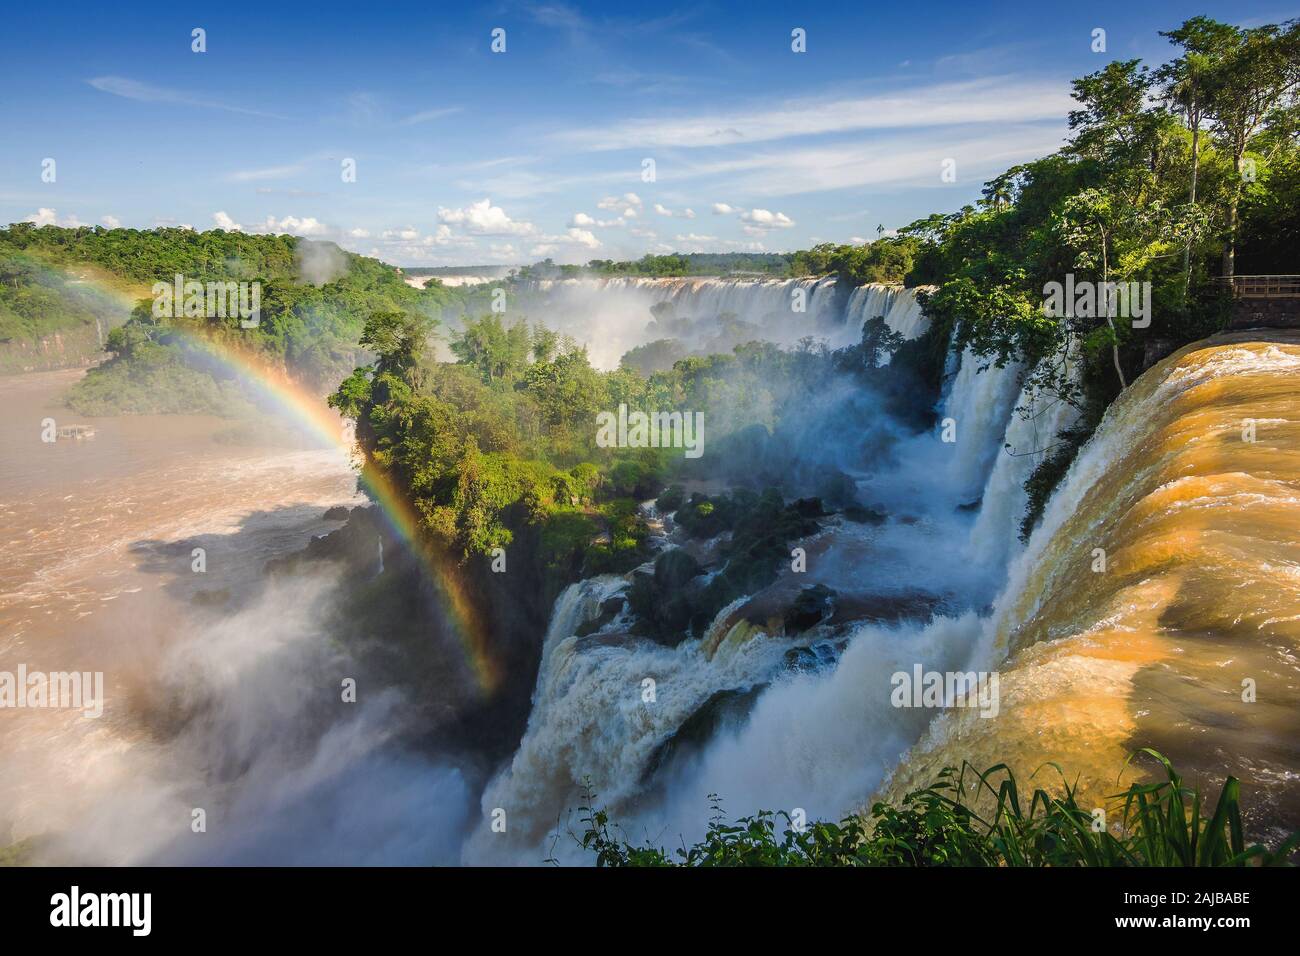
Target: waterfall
(979, 404)
(611, 316)
(899, 307)
(1030, 437)
(591, 719)
(603, 706)
(1159, 583)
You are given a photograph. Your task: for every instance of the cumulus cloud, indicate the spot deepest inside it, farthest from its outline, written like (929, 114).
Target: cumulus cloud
(581, 220)
(766, 219)
(722, 209)
(50, 217)
(583, 237)
(484, 219)
(626, 205)
(289, 225)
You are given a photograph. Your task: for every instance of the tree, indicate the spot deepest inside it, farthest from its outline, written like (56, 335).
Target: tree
(1185, 83)
(1255, 79)
(400, 340)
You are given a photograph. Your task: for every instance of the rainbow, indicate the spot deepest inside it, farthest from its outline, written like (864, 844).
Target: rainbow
(279, 390)
(275, 386)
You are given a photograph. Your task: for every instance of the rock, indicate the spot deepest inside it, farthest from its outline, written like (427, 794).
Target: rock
(337, 513)
(861, 515)
(813, 605)
(673, 569)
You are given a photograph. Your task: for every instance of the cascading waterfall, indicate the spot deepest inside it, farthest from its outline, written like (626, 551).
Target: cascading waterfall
(604, 704)
(1167, 491)
(899, 307)
(1160, 586)
(612, 316)
(1030, 437)
(977, 408)
(590, 721)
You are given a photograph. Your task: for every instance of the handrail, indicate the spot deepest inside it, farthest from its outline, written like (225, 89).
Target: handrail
(1264, 286)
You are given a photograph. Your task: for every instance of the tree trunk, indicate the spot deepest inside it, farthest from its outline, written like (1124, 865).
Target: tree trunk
(1187, 250)
(1105, 280)
(1230, 253)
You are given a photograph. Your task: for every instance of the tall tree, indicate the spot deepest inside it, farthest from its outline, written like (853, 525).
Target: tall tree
(1256, 79)
(1184, 83)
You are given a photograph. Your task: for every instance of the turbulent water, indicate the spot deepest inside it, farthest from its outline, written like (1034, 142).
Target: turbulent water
(822, 734)
(222, 690)
(1201, 592)
(1186, 638)
(214, 680)
(612, 316)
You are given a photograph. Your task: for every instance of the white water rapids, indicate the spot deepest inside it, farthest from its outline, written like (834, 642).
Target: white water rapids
(611, 316)
(820, 739)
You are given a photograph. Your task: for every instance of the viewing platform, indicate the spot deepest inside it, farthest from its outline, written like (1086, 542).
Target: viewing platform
(1271, 302)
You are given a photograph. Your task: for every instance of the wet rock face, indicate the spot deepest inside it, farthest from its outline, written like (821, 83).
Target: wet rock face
(813, 605)
(664, 600)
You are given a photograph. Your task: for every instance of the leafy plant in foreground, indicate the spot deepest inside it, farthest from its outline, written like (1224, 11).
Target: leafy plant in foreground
(1160, 824)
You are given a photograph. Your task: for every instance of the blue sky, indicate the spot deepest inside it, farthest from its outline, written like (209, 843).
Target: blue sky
(465, 156)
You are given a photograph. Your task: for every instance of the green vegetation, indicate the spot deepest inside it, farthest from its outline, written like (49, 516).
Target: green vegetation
(888, 259)
(1149, 189)
(1177, 177)
(49, 318)
(695, 264)
(504, 441)
(314, 302)
(973, 819)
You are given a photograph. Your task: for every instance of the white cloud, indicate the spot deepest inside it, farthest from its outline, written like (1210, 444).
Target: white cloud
(271, 172)
(998, 99)
(223, 221)
(626, 205)
(584, 238)
(307, 226)
(144, 93)
(910, 160)
(50, 217)
(765, 219)
(722, 209)
(359, 233)
(484, 219)
(665, 211)
(427, 115)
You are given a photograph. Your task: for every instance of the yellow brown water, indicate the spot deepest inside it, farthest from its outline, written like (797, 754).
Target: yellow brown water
(96, 572)
(1158, 605)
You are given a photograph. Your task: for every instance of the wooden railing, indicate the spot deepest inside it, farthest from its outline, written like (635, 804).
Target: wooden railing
(1265, 287)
